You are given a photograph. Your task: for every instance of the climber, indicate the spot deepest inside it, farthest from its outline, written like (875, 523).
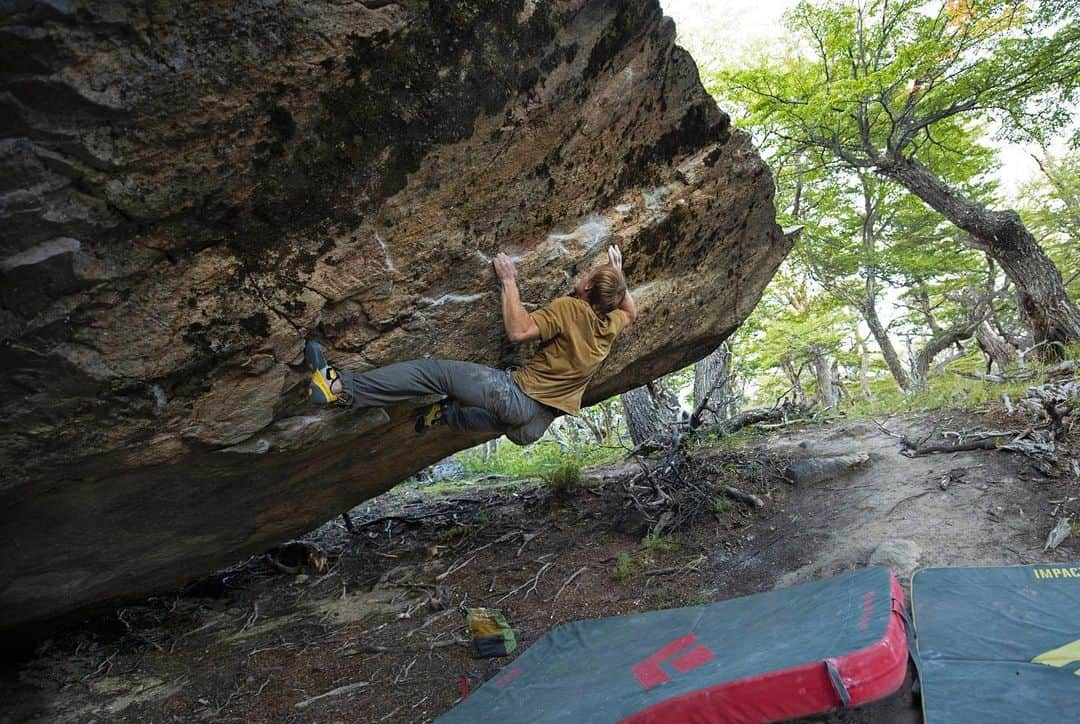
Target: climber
(575, 332)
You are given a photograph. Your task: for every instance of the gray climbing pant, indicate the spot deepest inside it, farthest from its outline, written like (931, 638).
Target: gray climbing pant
(482, 399)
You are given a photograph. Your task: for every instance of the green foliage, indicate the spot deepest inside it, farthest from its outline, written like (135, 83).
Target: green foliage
(446, 487)
(564, 476)
(452, 534)
(701, 599)
(1049, 204)
(721, 505)
(624, 568)
(904, 76)
(654, 543)
(946, 391)
(538, 460)
(852, 87)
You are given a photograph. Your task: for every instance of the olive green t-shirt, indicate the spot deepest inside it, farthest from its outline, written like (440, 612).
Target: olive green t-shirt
(574, 341)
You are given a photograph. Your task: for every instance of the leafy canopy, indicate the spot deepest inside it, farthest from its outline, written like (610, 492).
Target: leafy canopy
(890, 78)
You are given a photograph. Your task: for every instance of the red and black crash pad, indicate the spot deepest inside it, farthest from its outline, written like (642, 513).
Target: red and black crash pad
(773, 656)
(998, 645)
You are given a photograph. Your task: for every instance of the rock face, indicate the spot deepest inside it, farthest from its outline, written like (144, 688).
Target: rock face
(189, 189)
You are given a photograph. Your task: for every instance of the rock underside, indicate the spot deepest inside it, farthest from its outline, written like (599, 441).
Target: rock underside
(189, 189)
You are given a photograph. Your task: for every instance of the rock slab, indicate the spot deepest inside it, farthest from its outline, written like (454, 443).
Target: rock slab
(189, 189)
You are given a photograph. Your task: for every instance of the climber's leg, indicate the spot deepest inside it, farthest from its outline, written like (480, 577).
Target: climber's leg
(535, 428)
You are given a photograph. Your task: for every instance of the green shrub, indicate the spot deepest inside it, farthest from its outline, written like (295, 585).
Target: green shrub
(534, 461)
(563, 476)
(624, 567)
(659, 543)
(721, 505)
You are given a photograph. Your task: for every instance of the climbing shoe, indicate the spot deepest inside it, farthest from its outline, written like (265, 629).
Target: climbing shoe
(322, 374)
(429, 417)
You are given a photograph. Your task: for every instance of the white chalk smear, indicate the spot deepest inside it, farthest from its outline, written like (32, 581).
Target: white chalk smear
(455, 298)
(386, 253)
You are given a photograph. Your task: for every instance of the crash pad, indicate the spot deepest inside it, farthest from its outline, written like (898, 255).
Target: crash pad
(772, 656)
(999, 645)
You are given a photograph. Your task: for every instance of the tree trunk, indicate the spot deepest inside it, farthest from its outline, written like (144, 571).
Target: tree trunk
(864, 365)
(713, 396)
(794, 375)
(870, 280)
(823, 373)
(936, 346)
(997, 350)
(885, 344)
(1040, 290)
(648, 413)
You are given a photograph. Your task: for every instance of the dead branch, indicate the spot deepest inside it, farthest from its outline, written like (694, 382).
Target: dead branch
(534, 581)
(887, 431)
(454, 568)
(457, 640)
(688, 567)
(432, 619)
(341, 690)
(251, 619)
(404, 674)
(567, 582)
(183, 636)
(742, 496)
(913, 449)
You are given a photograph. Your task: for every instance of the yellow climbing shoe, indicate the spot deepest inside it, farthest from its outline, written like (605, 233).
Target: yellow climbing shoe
(429, 417)
(322, 374)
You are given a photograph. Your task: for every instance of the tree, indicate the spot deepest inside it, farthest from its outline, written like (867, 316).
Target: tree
(649, 412)
(896, 89)
(714, 394)
(1050, 207)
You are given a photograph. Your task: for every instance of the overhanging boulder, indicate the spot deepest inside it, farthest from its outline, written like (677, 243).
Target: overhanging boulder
(189, 189)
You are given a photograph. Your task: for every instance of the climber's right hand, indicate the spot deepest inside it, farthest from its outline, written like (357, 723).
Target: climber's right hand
(505, 269)
(615, 256)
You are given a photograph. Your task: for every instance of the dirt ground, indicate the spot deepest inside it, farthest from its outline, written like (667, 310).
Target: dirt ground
(381, 624)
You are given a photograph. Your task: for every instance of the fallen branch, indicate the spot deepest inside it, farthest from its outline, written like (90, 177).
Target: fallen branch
(183, 636)
(341, 690)
(914, 450)
(685, 568)
(449, 642)
(251, 619)
(454, 568)
(535, 581)
(567, 582)
(404, 674)
(432, 619)
(741, 496)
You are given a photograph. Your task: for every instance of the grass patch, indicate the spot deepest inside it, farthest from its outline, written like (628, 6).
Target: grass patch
(624, 568)
(536, 460)
(659, 543)
(564, 476)
(721, 505)
(445, 487)
(452, 534)
(943, 391)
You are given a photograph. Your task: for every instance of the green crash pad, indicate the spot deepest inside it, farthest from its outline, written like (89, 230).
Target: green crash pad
(999, 645)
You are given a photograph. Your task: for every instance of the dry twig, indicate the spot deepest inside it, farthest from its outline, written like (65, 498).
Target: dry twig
(567, 582)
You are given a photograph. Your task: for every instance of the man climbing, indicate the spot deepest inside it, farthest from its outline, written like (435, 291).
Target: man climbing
(576, 334)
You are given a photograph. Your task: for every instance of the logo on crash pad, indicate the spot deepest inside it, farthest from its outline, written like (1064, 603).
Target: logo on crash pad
(649, 673)
(1061, 657)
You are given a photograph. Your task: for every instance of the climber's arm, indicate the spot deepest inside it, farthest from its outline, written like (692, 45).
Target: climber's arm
(520, 326)
(627, 304)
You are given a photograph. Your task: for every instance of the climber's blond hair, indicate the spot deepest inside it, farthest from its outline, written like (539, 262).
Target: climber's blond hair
(607, 289)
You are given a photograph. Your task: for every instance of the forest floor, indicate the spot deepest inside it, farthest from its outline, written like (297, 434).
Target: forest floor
(257, 644)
